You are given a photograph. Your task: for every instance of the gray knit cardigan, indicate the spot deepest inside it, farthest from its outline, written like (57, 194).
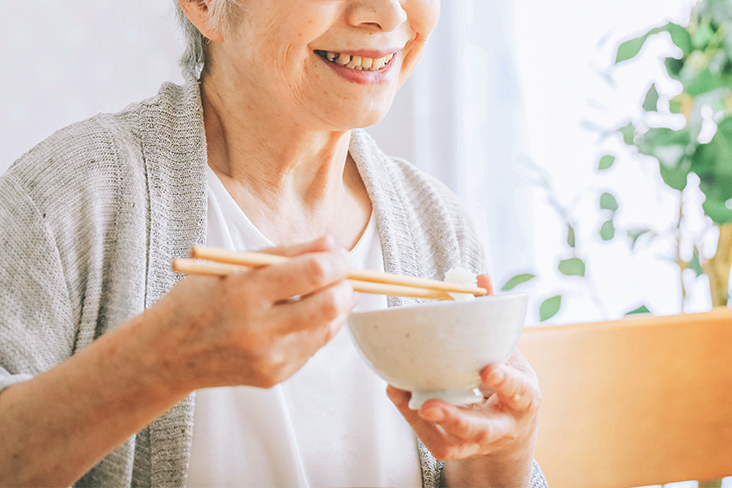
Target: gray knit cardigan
(89, 222)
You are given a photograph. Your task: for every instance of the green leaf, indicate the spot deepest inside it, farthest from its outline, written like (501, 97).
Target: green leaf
(550, 307)
(517, 280)
(630, 49)
(607, 231)
(674, 67)
(674, 106)
(669, 147)
(628, 133)
(650, 104)
(641, 309)
(572, 267)
(703, 82)
(703, 35)
(571, 237)
(636, 234)
(608, 202)
(695, 263)
(606, 162)
(680, 37)
(713, 164)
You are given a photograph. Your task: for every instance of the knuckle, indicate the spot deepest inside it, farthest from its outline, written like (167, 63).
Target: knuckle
(268, 382)
(485, 436)
(442, 453)
(329, 308)
(461, 425)
(269, 368)
(328, 332)
(316, 272)
(333, 304)
(535, 402)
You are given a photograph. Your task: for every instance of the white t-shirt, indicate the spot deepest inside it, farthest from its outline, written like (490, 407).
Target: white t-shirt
(331, 424)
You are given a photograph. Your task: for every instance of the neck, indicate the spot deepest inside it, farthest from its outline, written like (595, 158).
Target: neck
(294, 183)
(272, 156)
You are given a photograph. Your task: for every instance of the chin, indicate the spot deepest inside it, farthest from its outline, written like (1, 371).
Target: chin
(365, 117)
(372, 119)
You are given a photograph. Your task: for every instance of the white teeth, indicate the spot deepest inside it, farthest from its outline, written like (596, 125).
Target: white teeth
(357, 62)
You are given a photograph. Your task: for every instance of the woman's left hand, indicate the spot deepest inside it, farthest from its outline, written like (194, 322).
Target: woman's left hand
(490, 443)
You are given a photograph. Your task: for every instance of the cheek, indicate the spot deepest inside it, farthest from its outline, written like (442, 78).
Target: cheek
(423, 16)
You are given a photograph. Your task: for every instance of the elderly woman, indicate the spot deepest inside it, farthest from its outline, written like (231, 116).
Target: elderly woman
(102, 346)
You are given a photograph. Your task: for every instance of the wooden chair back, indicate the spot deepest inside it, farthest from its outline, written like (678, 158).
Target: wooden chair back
(634, 402)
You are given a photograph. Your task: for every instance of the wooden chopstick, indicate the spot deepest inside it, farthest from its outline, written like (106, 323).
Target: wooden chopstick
(208, 268)
(261, 259)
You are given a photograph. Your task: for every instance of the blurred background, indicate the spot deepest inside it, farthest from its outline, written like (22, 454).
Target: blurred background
(514, 106)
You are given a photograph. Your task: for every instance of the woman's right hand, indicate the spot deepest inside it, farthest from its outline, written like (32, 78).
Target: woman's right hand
(246, 328)
(243, 329)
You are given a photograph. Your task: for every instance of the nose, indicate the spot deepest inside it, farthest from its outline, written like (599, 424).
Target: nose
(381, 15)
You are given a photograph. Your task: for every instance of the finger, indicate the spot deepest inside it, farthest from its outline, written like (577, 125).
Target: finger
(485, 282)
(306, 342)
(317, 309)
(427, 431)
(513, 387)
(473, 425)
(518, 361)
(321, 244)
(301, 275)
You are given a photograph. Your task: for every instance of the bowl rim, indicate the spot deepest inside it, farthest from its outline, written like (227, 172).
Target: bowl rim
(514, 295)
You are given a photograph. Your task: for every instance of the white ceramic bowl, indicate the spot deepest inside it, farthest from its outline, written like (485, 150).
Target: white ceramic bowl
(437, 350)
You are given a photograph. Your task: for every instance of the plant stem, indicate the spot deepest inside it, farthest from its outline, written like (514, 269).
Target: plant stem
(679, 261)
(718, 267)
(565, 215)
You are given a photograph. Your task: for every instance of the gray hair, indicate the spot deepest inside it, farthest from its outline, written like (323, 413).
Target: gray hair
(223, 14)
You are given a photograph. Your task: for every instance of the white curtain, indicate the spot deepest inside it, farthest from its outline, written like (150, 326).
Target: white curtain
(458, 119)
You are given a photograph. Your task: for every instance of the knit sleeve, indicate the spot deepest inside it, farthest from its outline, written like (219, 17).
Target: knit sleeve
(36, 331)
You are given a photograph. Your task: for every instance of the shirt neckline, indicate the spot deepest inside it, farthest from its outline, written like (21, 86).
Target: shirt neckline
(229, 205)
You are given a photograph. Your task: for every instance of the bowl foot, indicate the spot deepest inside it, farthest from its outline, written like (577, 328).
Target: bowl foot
(456, 397)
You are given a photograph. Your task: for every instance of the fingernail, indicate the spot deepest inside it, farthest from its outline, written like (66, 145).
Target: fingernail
(433, 414)
(496, 376)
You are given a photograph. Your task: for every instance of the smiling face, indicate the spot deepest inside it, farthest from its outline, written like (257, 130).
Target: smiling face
(326, 64)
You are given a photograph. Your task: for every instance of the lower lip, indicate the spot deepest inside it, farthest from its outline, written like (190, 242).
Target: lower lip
(384, 75)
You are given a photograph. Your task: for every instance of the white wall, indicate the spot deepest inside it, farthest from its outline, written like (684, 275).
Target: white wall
(65, 61)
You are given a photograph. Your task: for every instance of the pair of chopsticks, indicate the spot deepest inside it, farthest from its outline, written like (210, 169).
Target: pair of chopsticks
(219, 262)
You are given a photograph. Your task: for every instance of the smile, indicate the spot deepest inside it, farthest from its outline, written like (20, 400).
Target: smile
(359, 63)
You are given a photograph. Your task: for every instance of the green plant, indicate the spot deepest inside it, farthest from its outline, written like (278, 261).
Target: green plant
(703, 71)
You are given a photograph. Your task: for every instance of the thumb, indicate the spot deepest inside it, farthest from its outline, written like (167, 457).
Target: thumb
(484, 281)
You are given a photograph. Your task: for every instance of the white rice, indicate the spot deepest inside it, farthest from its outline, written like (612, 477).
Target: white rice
(461, 276)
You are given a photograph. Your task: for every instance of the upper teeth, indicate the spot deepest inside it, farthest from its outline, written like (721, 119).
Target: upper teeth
(357, 62)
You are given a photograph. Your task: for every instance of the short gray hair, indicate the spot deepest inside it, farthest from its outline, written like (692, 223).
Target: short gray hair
(223, 14)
